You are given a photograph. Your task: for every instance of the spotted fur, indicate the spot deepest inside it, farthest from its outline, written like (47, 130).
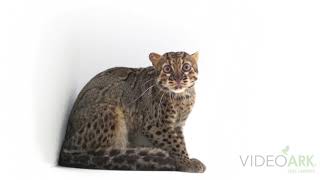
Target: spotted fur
(133, 118)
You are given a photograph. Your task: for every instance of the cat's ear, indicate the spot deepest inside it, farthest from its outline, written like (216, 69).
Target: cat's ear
(195, 57)
(154, 58)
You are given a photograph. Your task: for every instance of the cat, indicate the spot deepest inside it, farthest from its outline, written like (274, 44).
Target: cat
(132, 118)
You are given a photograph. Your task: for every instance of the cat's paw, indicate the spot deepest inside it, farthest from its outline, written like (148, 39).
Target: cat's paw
(197, 165)
(193, 166)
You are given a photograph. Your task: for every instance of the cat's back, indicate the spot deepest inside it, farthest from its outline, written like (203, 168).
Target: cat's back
(109, 76)
(111, 84)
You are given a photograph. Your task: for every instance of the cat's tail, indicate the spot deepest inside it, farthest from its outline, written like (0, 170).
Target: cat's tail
(120, 159)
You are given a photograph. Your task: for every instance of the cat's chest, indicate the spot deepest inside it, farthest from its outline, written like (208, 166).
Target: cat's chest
(177, 111)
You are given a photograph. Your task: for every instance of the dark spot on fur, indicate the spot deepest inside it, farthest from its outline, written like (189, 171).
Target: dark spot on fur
(119, 159)
(114, 152)
(88, 125)
(100, 137)
(112, 127)
(149, 127)
(109, 115)
(99, 153)
(98, 160)
(95, 125)
(107, 166)
(104, 139)
(164, 161)
(91, 135)
(130, 151)
(83, 159)
(81, 130)
(84, 146)
(79, 141)
(112, 108)
(158, 133)
(161, 144)
(143, 153)
(132, 159)
(146, 158)
(93, 144)
(161, 154)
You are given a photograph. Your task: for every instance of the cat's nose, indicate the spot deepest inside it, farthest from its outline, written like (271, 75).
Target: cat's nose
(178, 81)
(178, 78)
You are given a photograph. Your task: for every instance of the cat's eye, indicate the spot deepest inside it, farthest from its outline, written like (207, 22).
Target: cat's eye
(186, 67)
(166, 69)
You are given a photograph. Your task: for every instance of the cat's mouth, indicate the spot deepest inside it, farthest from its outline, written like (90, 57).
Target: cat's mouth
(175, 88)
(178, 90)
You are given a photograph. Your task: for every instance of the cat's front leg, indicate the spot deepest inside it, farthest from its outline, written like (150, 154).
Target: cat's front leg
(172, 141)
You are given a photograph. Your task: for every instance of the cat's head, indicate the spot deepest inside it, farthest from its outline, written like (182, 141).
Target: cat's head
(178, 71)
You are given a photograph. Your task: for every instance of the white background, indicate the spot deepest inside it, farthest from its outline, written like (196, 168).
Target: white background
(258, 89)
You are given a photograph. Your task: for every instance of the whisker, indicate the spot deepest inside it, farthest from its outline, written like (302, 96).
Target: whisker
(142, 94)
(159, 105)
(161, 98)
(147, 81)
